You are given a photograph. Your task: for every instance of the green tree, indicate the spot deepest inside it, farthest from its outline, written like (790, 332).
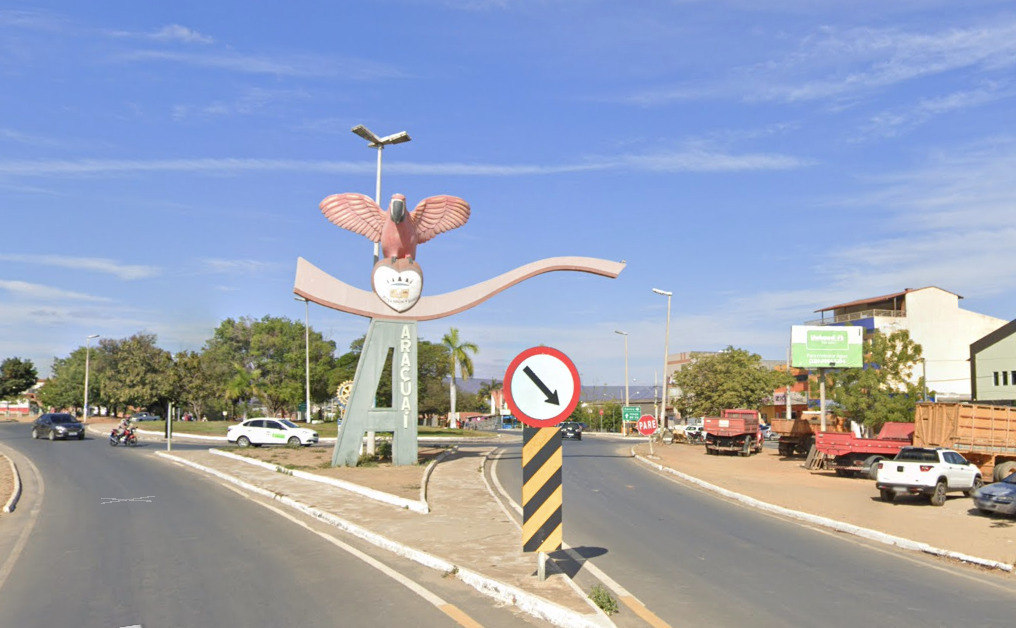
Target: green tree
(193, 383)
(65, 387)
(16, 376)
(135, 372)
(882, 390)
(733, 378)
(458, 351)
(486, 389)
(265, 359)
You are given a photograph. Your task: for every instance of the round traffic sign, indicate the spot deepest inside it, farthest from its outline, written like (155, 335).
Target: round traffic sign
(541, 387)
(646, 425)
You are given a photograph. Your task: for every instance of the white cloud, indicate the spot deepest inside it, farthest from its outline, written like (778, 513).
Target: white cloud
(839, 64)
(96, 264)
(303, 66)
(895, 122)
(38, 292)
(175, 32)
(237, 266)
(251, 101)
(691, 160)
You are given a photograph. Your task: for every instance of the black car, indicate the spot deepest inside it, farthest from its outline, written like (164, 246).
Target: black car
(54, 425)
(571, 429)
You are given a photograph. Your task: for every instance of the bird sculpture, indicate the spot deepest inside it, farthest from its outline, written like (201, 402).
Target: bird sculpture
(397, 230)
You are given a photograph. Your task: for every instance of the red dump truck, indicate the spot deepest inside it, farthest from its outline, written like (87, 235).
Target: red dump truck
(734, 431)
(849, 455)
(985, 435)
(798, 435)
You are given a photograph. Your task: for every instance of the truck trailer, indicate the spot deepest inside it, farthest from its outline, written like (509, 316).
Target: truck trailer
(848, 454)
(983, 434)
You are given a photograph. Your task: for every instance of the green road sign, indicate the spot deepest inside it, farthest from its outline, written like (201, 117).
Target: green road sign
(631, 413)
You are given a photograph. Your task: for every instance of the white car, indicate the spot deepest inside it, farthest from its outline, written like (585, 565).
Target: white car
(270, 431)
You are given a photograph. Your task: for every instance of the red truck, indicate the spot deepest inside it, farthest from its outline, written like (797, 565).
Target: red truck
(735, 431)
(849, 455)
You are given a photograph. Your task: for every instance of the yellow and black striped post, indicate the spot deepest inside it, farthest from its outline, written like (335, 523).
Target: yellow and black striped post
(541, 489)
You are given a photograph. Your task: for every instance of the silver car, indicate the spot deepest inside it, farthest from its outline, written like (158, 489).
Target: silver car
(999, 497)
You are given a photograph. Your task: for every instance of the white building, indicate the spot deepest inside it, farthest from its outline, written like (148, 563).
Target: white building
(935, 321)
(993, 365)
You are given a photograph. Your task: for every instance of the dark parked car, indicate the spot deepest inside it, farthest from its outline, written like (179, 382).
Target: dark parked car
(999, 497)
(54, 425)
(571, 429)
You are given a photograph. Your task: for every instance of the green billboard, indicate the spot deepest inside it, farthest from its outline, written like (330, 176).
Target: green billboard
(826, 346)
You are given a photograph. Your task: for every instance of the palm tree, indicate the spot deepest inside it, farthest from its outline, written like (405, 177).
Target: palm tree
(458, 352)
(486, 389)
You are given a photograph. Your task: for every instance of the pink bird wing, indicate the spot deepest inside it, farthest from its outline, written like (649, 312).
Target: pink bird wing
(438, 214)
(356, 212)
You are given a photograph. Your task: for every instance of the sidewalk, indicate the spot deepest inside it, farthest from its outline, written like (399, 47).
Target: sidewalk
(465, 527)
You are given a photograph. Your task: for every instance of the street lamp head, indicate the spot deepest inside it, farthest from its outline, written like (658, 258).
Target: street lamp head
(366, 134)
(663, 292)
(380, 142)
(396, 138)
(92, 336)
(299, 298)
(618, 331)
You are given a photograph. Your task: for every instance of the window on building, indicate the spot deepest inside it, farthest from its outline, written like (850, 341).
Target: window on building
(1014, 377)
(996, 378)
(1005, 378)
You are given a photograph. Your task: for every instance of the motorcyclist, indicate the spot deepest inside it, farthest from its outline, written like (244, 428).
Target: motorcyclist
(121, 429)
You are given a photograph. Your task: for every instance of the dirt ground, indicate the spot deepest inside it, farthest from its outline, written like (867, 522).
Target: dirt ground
(6, 482)
(403, 481)
(957, 526)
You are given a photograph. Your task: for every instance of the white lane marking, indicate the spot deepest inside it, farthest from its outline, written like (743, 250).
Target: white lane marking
(117, 500)
(581, 561)
(383, 568)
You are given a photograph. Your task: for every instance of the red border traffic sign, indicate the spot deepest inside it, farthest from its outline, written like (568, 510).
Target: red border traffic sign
(647, 424)
(554, 376)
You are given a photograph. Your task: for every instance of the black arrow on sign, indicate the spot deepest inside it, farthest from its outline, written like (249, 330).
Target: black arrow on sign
(551, 396)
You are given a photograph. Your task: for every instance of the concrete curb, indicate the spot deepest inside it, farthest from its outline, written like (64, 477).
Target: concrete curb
(503, 593)
(430, 469)
(12, 503)
(379, 496)
(832, 524)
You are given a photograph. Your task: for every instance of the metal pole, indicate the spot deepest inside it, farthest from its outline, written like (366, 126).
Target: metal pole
(306, 341)
(924, 376)
(377, 194)
(626, 369)
(821, 396)
(666, 350)
(788, 385)
(88, 349)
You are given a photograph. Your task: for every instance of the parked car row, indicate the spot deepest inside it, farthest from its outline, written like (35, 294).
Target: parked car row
(936, 471)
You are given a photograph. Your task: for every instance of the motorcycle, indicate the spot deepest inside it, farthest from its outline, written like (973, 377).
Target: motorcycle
(127, 437)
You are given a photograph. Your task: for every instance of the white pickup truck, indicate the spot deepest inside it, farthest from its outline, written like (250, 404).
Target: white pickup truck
(926, 471)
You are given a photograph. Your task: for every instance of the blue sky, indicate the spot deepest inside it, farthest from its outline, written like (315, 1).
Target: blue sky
(161, 164)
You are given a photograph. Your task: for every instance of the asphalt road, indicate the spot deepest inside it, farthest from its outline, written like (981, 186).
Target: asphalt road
(695, 559)
(123, 539)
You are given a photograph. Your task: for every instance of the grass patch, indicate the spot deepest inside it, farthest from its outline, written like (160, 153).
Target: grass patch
(603, 600)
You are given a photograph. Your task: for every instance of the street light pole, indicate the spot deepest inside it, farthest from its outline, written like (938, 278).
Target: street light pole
(666, 350)
(625, 334)
(306, 344)
(379, 143)
(88, 348)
